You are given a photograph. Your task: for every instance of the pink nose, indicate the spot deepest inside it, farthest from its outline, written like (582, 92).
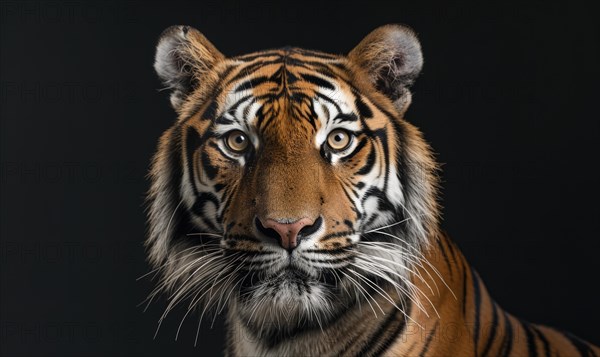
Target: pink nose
(288, 231)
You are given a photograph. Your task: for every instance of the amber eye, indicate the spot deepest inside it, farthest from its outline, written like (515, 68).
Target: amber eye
(339, 139)
(236, 141)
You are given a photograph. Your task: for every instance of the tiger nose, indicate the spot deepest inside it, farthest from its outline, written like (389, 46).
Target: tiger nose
(290, 233)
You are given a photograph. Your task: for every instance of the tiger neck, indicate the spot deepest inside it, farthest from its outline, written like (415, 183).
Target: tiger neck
(379, 326)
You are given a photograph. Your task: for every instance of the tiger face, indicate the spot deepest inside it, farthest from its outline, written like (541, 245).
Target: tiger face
(290, 182)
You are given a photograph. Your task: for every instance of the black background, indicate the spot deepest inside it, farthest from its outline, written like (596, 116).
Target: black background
(508, 99)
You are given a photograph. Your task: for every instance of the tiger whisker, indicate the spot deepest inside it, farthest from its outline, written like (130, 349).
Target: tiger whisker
(173, 215)
(422, 258)
(212, 287)
(162, 286)
(410, 285)
(364, 293)
(404, 257)
(190, 308)
(171, 259)
(205, 234)
(375, 269)
(212, 256)
(182, 291)
(387, 297)
(390, 225)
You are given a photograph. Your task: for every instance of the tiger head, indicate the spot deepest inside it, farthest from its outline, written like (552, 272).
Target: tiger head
(290, 187)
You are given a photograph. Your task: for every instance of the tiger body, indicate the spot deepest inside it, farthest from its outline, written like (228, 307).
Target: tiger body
(292, 194)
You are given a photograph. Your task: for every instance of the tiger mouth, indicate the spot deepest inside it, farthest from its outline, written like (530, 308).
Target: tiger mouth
(290, 275)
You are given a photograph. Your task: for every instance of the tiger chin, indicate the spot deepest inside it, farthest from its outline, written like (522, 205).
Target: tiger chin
(291, 195)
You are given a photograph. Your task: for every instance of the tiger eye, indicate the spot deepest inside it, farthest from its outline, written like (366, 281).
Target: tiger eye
(339, 139)
(237, 141)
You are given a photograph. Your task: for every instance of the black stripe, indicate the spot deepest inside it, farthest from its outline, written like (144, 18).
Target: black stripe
(223, 121)
(493, 330)
(391, 337)
(209, 169)
(331, 261)
(239, 102)
(508, 337)
(329, 251)
(361, 144)
(383, 138)
(374, 338)
(248, 70)
(331, 101)
(348, 223)
(453, 248)
(531, 348)
(371, 219)
(253, 82)
(317, 66)
(336, 235)
(342, 117)
(544, 340)
(318, 81)
(439, 242)
(327, 71)
(267, 53)
(428, 341)
(192, 143)
(211, 109)
(363, 109)
(173, 170)
(350, 199)
(223, 154)
(368, 166)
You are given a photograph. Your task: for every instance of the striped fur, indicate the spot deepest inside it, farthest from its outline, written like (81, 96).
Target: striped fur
(373, 274)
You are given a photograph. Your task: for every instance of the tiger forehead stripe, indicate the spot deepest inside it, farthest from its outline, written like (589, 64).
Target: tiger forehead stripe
(281, 76)
(312, 67)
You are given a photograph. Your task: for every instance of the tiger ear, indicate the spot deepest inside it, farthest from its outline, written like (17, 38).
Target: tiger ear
(391, 55)
(183, 57)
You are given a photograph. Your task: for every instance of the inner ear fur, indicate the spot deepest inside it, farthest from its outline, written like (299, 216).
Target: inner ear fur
(392, 58)
(183, 58)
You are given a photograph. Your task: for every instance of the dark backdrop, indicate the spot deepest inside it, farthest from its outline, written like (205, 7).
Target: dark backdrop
(508, 99)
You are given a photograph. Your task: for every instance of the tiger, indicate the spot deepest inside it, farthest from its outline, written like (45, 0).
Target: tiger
(293, 197)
